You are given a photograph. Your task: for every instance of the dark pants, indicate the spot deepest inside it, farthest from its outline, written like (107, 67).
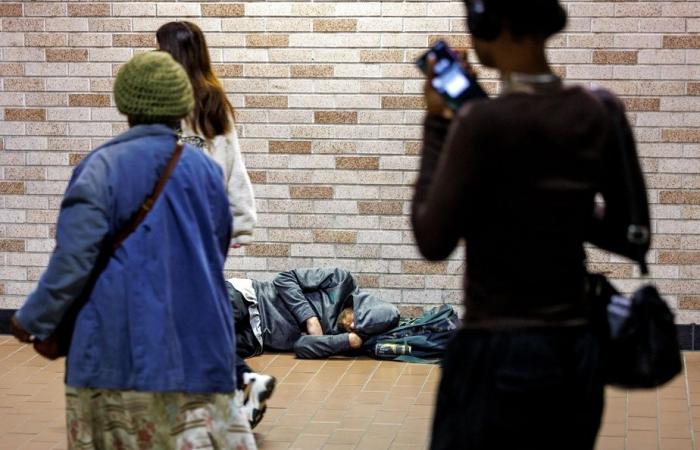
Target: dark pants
(241, 369)
(246, 342)
(529, 389)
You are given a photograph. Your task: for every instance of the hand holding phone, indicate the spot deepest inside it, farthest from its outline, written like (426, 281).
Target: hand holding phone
(447, 77)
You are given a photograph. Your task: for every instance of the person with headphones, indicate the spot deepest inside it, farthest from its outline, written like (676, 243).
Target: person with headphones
(517, 176)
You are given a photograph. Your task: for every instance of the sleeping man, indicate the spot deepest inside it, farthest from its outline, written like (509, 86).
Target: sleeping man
(316, 313)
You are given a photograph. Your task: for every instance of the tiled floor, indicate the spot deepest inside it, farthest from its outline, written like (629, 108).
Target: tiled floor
(344, 404)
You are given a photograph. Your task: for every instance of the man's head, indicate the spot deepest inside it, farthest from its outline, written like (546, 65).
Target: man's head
(152, 88)
(346, 319)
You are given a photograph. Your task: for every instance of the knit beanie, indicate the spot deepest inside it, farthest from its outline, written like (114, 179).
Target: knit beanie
(153, 87)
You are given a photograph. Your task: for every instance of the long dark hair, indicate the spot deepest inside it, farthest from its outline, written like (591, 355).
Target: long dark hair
(213, 113)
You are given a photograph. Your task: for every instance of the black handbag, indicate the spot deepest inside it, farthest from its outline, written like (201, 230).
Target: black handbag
(639, 339)
(640, 342)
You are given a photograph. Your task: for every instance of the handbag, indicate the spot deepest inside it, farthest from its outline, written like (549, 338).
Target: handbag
(639, 338)
(58, 344)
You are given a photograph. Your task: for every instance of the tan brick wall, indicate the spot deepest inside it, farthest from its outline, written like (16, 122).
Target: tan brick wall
(329, 109)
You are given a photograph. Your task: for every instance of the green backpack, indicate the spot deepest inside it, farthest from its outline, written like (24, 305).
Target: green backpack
(419, 340)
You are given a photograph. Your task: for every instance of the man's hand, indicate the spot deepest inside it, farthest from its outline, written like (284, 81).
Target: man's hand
(313, 326)
(19, 332)
(355, 340)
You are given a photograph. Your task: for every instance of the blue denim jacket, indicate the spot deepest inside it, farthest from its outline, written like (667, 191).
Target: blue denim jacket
(158, 318)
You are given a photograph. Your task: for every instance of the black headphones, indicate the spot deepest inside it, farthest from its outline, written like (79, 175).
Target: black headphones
(482, 22)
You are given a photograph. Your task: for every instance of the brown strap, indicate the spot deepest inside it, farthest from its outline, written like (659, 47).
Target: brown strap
(141, 214)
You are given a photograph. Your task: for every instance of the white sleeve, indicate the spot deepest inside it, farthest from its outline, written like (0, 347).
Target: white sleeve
(240, 193)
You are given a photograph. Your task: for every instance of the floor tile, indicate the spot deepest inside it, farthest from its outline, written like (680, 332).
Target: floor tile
(348, 404)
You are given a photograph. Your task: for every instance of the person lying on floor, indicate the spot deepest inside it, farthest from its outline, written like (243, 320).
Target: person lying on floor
(315, 312)
(318, 313)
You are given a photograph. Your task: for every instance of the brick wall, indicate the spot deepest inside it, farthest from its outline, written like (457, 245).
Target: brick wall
(329, 111)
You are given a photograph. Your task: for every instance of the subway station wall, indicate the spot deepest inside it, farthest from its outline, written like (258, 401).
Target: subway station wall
(329, 112)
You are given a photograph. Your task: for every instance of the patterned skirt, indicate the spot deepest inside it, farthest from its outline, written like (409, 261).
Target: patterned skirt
(129, 420)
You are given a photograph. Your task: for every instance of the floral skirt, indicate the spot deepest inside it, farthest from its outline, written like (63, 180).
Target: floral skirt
(129, 420)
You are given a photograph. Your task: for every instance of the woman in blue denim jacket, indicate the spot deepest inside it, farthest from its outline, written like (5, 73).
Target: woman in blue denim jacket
(151, 360)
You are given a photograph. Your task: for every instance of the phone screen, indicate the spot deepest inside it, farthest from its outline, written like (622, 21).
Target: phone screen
(450, 80)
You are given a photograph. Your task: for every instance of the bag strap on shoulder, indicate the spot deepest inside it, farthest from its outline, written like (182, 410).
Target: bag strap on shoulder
(146, 206)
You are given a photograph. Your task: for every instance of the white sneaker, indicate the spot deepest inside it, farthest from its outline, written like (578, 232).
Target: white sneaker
(258, 388)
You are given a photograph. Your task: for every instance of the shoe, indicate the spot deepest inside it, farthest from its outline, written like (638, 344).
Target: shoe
(258, 388)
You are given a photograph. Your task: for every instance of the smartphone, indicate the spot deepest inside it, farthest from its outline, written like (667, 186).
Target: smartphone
(450, 80)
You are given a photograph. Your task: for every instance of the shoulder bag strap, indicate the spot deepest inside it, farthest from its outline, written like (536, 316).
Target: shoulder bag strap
(141, 214)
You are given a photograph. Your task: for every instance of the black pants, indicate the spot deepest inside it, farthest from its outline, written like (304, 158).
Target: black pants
(535, 389)
(246, 342)
(241, 369)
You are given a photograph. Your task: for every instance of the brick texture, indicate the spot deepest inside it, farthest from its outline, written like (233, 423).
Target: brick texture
(223, 9)
(134, 40)
(614, 57)
(684, 41)
(403, 102)
(329, 109)
(228, 70)
(257, 176)
(680, 197)
(642, 104)
(381, 208)
(266, 101)
(89, 9)
(75, 158)
(11, 245)
(335, 236)
(11, 10)
(270, 40)
(424, 267)
(357, 162)
(300, 147)
(68, 55)
(25, 114)
(267, 250)
(681, 135)
(330, 117)
(317, 192)
(321, 25)
(315, 71)
(11, 187)
(88, 100)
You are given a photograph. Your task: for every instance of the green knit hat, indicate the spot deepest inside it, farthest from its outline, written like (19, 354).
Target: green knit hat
(154, 87)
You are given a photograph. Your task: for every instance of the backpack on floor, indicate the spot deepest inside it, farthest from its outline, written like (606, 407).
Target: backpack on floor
(420, 340)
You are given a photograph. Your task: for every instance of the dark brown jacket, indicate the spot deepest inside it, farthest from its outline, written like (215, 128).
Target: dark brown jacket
(516, 177)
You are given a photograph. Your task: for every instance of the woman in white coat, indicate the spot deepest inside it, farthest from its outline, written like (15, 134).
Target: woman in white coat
(211, 125)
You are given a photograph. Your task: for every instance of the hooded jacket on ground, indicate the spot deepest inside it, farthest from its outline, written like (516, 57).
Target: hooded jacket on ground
(293, 297)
